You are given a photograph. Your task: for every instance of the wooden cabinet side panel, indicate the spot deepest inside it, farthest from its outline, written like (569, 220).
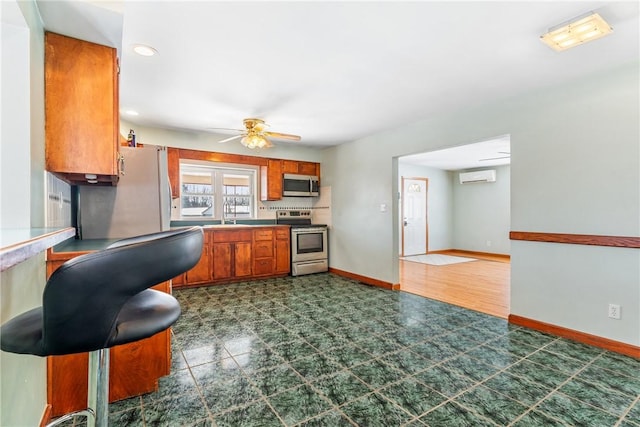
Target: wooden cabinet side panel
(136, 367)
(67, 382)
(80, 106)
(173, 164)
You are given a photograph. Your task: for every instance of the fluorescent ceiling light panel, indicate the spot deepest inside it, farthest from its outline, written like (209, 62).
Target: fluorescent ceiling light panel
(579, 30)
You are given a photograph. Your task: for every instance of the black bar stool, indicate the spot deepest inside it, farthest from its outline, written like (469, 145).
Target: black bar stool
(99, 300)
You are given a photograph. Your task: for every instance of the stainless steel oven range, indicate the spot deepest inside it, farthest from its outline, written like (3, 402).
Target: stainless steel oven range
(308, 242)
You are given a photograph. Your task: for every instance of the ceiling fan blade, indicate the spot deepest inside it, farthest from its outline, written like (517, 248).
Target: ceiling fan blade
(230, 139)
(495, 158)
(279, 135)
(225, 129)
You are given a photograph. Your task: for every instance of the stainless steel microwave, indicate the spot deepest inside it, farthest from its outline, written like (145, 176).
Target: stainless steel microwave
(300, 185)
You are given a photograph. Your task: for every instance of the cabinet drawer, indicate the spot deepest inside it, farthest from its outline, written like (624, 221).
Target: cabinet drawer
(282, 233)
(232, 236)
(266, 234)
(263, 249)
(263, 266)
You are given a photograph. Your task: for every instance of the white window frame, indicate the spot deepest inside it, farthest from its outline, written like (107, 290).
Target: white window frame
(218, 171)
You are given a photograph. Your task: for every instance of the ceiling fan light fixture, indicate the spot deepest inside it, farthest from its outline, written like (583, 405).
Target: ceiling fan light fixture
(253, 140)
(579, 30)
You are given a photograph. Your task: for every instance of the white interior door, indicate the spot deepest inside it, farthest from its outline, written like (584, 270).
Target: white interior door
(414, 216)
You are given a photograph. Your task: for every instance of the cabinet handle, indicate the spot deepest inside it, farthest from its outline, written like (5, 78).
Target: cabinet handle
(121, 160)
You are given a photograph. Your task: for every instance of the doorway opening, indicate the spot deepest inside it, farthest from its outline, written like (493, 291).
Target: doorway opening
(467, 261)
(415, 227)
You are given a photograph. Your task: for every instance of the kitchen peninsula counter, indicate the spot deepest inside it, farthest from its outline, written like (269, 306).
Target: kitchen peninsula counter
(18, 245)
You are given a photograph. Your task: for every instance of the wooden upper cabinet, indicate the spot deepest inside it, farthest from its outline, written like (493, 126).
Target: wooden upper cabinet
(271, 170)
(81, 109)
(302, 168)
(271, 180)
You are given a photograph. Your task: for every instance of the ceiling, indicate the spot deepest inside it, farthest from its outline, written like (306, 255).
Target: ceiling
(334, 72)
(494, 152)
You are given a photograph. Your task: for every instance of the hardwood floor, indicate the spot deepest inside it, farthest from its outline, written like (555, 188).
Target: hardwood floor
(482, 285)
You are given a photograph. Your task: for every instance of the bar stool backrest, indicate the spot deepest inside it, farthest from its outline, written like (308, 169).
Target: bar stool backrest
(83, 297)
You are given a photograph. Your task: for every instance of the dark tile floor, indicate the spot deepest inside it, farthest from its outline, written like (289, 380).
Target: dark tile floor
(321, 350)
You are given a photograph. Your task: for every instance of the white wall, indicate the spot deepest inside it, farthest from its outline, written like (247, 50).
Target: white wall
(481, 214)
(15, 197)
(575, 169)
(439, 203)
(23, 386)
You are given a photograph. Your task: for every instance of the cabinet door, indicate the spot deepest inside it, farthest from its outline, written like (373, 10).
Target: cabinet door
(283, 255)
(242, 259)
(221, 260)
(271, 180)
(302, 168)
(308, 168)
(81, 109)
(289, 166)
(201, 272)
(179, 281)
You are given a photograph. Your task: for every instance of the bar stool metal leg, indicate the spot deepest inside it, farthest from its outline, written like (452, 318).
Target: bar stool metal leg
(98, 396)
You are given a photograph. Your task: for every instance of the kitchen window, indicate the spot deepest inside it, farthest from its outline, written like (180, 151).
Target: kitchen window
(217, 192)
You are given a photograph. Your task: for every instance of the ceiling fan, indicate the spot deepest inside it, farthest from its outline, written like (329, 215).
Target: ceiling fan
(255, 134)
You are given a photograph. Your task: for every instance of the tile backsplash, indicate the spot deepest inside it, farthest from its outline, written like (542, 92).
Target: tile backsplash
(57, 202)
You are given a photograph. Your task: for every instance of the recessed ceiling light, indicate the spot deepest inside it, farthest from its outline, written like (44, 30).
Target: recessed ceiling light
(131, 113)
(144, 50)
(582, 29)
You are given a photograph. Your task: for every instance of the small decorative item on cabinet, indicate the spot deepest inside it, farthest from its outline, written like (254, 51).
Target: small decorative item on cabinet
(131, 138)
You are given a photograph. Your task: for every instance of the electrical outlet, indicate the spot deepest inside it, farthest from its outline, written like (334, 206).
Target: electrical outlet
(614, 311)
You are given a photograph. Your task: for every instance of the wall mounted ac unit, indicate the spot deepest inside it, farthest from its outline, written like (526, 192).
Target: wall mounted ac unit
(488, 175)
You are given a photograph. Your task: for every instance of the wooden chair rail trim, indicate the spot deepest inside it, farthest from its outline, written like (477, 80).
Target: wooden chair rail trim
(365, 279)
(577, 239)
(582, 337)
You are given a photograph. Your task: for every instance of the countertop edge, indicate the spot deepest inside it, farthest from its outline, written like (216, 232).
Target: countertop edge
(20, 251)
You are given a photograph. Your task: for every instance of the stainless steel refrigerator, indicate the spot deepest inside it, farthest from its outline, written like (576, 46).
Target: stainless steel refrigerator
(139, 204)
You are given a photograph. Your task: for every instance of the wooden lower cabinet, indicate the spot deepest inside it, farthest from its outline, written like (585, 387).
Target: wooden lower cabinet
(263, 252)
(231, 254)
(283, 251)
(134, 368)
(202, 271)
(240, 253)
(231, 259)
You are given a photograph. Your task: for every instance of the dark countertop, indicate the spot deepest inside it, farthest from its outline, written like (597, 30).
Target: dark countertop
(74, 245)
(205, 222)
(88, 245)
(18, 245)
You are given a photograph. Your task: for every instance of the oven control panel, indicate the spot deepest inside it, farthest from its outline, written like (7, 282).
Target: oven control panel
(294, 214)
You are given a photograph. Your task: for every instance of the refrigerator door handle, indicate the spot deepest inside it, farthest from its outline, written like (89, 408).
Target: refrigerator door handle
(121, 160)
